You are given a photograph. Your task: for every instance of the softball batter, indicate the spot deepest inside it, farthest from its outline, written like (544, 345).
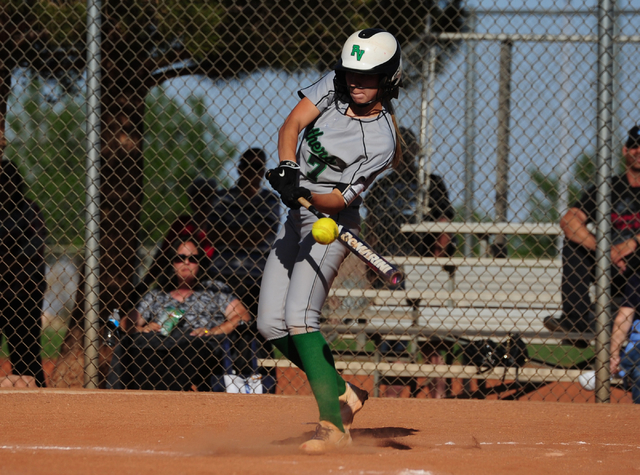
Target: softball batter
(350, 137)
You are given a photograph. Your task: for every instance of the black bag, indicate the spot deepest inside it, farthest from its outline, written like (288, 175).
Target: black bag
(517, 351)
(487, 354)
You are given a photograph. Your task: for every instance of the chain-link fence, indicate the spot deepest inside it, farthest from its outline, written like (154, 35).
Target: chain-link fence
(141, 132)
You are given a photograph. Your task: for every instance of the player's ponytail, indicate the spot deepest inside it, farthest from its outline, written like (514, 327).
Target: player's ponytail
(397, 157)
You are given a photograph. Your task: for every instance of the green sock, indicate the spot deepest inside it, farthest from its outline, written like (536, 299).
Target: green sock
(315, 354)
(289, 350)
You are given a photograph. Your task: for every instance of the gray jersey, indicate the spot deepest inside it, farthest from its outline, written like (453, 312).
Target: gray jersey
(338, 151)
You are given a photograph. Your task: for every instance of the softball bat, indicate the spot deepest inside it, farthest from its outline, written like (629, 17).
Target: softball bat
(376, 262)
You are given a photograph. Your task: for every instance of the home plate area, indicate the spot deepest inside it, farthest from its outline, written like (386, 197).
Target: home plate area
(103, 432)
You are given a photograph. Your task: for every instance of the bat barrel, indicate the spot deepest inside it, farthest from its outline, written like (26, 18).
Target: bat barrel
(376, 262)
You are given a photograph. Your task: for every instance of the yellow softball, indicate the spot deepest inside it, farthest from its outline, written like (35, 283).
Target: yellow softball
(325, 231)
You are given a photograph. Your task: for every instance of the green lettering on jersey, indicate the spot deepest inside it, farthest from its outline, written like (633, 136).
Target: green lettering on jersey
(316, 147)
(318, 167)
(319, 159)
(357, 52)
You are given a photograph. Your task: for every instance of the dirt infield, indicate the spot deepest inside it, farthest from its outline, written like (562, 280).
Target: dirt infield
(78, 432)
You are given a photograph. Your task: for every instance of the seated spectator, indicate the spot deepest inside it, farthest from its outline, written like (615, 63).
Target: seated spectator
(391, 203)
(22, 280)
(201, 194)
(179, 326)
(626, 327)
(578, 252)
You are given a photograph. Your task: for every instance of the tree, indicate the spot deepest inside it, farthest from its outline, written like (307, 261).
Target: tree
(181, 143)
(47, 141)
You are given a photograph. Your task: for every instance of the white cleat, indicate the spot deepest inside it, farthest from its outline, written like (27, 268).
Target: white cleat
(326, 439)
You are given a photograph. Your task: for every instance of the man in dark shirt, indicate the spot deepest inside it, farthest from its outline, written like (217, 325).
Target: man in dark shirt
(22, 268)
(244, 223)
(578, 253)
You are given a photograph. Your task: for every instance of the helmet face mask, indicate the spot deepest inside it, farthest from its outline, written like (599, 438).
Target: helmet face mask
(372, 51)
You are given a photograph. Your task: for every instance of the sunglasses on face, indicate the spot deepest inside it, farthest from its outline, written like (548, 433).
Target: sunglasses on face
(185, 259)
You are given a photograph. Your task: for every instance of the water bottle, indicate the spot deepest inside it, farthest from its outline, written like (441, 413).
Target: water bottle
(169, 321)
(113, 329)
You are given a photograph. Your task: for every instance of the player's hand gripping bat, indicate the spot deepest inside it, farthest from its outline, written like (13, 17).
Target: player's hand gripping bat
(382, 267)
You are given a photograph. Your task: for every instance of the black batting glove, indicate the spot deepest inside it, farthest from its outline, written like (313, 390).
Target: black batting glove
(284, 175)
(291, 194)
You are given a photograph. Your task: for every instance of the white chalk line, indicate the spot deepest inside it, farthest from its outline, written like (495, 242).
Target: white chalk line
(121, 392)
(133, 451)
(128, 450)
(108, 450)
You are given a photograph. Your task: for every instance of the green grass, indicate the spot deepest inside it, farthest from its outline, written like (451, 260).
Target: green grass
(344, 345)
(51, 342)
(553, 355)
(564, 355)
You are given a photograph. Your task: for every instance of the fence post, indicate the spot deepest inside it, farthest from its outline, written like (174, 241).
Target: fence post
(502, 165)
(92, 250)
(426, 130)
(470, 135)
(603, 215)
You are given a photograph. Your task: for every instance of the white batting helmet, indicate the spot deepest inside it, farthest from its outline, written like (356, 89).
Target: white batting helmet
(373, 51)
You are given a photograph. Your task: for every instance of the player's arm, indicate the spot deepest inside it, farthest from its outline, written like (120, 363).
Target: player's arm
(621, 326)
(302, 115)
(340, 197)
(328, 203)
(285, 176)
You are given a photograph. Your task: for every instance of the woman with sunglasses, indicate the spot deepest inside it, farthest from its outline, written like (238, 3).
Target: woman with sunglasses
(178, 325)
(199, 306)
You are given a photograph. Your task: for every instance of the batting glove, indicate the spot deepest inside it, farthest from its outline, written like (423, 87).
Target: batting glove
(291, 194)
(284, 175)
